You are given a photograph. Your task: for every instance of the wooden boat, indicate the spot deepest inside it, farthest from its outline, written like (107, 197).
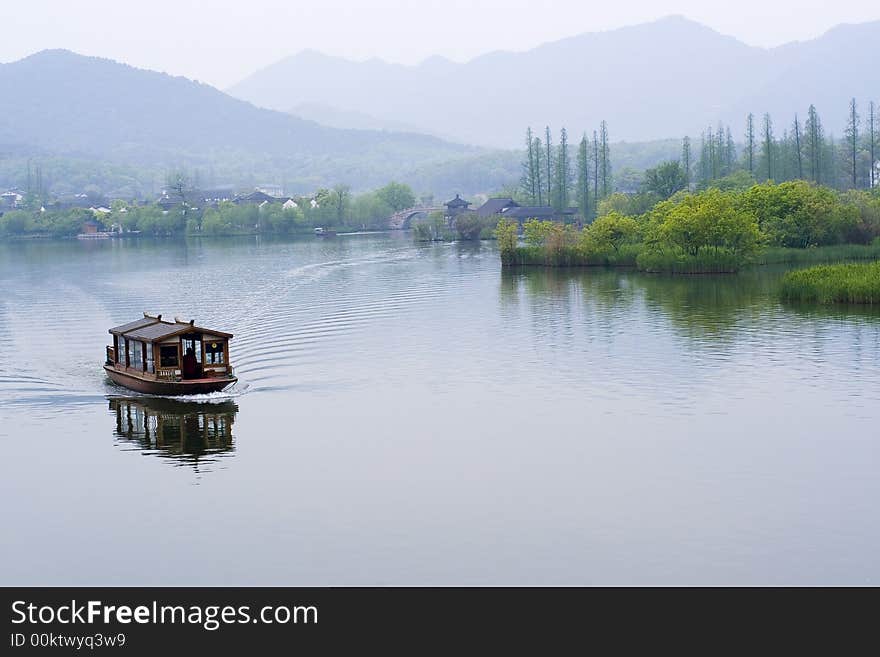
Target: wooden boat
(324, 232)
(169, 358)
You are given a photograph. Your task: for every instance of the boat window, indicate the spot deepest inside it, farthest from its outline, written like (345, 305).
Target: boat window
(168, 355)
(194, 343)
(214, 352)
(150, 366)
(135, 354)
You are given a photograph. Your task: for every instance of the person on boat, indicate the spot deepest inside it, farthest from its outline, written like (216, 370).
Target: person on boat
(190, 364)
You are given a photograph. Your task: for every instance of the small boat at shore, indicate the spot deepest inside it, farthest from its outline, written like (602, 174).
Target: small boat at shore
(324, 232)
(156, 357)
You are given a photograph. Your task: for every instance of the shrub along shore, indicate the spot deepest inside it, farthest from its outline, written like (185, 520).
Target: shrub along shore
(710, 231)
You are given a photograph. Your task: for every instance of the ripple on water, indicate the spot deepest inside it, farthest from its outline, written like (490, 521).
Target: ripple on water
(297, 323)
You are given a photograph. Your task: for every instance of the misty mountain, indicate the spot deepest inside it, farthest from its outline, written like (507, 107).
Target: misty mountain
(62, 104)
(333, 117)
(660, 79)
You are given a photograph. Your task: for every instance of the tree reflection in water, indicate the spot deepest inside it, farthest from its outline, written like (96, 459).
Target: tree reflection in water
(188, 433)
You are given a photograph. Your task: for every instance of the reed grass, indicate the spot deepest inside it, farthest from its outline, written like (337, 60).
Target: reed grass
(818, 255)
(678, 262)
(857, 283)
(572, 256)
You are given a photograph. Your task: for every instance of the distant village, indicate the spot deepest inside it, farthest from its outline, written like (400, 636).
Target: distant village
(103, 208)
(15, 198)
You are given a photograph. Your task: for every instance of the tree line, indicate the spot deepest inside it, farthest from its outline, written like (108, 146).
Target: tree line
(711, 230)
(548, 177)
(803, 151)
(333, 207)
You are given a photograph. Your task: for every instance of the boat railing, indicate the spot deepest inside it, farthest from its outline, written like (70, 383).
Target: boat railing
(167, 373)
(215, 370)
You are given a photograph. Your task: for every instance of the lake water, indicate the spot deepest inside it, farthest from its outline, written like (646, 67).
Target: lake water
(412, 415)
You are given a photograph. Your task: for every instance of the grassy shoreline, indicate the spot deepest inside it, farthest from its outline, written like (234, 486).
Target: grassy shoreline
(852, 283)
(818, 255)
(631, 256)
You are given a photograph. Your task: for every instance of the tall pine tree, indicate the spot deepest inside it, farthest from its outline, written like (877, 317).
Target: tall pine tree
(798, 152)
(548, 164)
(814, 145)
(596, 170)
(852, 140)
(538, 150)
(686, 157)
(582, 192)
(872, 140)
(768, 145)
(528, 179)
(750, 142)
(563, 173)
(605, 159)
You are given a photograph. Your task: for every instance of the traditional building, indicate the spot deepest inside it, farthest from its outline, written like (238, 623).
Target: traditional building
(523, 213)
(10, 200)
(90, 227)
(455, 207)
(254, 198)
(496, 205)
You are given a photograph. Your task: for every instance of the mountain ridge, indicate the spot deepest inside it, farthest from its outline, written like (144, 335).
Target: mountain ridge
(636, 77)
(89, 107)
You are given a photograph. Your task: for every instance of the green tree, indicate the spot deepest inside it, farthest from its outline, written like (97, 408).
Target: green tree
(507, 234)
(798, 151)
(397, 196)
(686, 159)
(582, 193)
(469, 226)
(610, 232)
(630, 205)
(536, 231)
(340, 199)
(750, 142)
(798, 214)
(563, 173)
(528, 181)
(665, 179)
(548, 164)
(538, 151)
(595, 167)
(767, 145)
(814, 144)
(852, 139)
(872, 138)
(707, 221)
(604, 159)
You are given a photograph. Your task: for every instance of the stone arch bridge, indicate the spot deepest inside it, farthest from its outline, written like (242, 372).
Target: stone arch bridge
(403, 219)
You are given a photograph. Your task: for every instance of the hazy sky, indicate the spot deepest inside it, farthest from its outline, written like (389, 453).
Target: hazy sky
(222, 41)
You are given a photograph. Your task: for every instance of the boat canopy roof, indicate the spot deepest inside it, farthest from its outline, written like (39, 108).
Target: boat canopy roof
(152, 329)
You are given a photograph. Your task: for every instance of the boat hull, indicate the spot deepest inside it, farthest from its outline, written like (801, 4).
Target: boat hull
(173, 388)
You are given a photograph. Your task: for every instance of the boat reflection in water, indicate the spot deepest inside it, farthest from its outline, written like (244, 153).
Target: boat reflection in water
(188, 433)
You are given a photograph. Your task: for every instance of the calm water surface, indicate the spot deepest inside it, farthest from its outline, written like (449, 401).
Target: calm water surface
(411, 414)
